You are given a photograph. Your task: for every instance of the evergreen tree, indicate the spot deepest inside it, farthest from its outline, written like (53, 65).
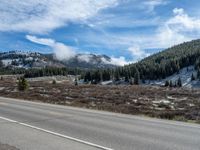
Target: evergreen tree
(179, 82)
(168, 62)
(76, 82)
(198, 73)
(166, 83)
(87, 77)
(126, 76)
(143, 80)
(1, 64)
(96, 77)
(175, 84)
(137, 78)
(171, 83)
(116, 75)
(22, 84)
(192, 77)
(105, 75)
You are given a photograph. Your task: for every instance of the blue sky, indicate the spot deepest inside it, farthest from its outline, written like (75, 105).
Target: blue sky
(125, 30)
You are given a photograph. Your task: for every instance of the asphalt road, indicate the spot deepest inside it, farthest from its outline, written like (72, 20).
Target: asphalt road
(19, 137)
(29, 126)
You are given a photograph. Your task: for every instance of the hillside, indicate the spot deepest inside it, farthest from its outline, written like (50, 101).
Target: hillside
(20, 59)
(184, 74)
(169, 61)
(167, 65)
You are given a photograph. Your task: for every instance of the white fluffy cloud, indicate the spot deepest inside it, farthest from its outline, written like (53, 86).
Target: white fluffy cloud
(175, 30)
(182, 21)
(85, 58)
(120, 61)
(40, 16)
(62, 51)
(179, 28)
(137, 52)
(150, 5)
(43, 16)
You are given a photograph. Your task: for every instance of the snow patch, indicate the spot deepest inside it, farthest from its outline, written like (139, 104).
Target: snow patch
(7, 62)
(185, 75)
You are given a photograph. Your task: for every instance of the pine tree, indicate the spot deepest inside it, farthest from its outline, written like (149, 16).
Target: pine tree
(137, 78)
(76, 82)
(171, 83)
(192, 77)
(126, 76)
(1, 63)
(179, 82)
(198, 73)
(175, 84)
(22, 84)
(96, 77)
(116, 75)
(166, 83)
(87, 77)
(143, 80)
(106, 75)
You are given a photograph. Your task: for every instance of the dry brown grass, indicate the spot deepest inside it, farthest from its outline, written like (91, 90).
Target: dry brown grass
(179, 104)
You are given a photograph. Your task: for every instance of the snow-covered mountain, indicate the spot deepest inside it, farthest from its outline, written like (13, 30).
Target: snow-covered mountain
(21, 59)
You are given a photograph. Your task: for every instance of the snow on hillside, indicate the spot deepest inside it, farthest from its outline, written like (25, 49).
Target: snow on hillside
(185, 75)
(38, 60)
(7, 62)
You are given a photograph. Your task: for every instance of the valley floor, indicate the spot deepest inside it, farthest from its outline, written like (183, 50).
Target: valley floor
(167, 103)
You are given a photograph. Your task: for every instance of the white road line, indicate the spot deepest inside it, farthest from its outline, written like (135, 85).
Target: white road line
(56, 134)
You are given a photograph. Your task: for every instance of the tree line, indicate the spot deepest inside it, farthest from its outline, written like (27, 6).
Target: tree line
(155, 67)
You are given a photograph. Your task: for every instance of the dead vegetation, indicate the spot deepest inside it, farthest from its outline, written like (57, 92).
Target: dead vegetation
(168, 103)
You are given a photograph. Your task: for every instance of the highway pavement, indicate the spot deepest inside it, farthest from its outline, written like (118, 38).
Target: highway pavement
(37, 126)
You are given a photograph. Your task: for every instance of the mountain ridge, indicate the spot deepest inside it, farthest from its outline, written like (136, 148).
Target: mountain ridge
(23, 59)
(169, 61)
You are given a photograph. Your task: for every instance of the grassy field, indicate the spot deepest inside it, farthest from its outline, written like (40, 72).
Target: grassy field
(167, 103)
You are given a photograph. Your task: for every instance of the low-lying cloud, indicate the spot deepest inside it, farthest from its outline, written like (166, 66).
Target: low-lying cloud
(62, 51)
(119, 61)
(85, 58)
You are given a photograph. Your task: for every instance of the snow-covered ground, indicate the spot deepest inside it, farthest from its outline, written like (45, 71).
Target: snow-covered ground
(185, 75)
(7, 62)
(110, 82)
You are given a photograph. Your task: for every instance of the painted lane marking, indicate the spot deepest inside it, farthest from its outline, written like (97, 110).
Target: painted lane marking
(57, 134)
